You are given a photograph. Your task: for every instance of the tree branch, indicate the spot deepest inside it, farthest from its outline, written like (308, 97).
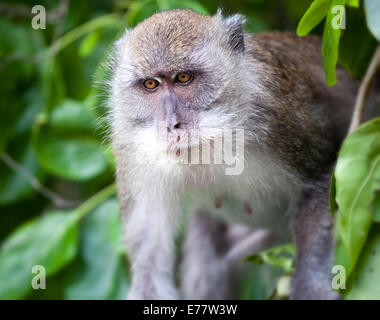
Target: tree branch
(363, 90)
(57, 200)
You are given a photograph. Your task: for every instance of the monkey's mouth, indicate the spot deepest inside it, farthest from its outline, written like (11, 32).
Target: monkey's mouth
(178, 143)
(190, 145)
(181, 139)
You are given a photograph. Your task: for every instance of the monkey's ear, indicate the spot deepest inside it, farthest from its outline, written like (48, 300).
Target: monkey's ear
(233, 27)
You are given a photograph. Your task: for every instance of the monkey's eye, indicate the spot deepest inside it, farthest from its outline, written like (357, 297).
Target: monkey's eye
(150, 84)
(183, 77)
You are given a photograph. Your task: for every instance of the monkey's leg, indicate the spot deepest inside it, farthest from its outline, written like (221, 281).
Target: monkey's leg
(212, 250)
(149, 236)
(314, 244)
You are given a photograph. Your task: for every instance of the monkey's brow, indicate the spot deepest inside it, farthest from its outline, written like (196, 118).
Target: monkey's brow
(155, 73)
(169, 74)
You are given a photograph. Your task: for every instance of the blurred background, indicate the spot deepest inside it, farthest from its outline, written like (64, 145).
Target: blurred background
(58, 206)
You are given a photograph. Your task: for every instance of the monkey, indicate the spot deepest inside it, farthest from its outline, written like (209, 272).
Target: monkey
(183, 83)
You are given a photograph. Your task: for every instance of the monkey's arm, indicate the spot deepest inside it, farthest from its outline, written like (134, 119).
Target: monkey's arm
(150, 228)
(212, 251)
(314, 243)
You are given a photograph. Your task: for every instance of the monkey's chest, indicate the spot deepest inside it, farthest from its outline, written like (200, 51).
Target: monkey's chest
(272, 214)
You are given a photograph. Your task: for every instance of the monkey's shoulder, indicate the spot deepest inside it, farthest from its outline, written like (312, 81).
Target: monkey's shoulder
(308, 118)
(293, 67)
(284, 46)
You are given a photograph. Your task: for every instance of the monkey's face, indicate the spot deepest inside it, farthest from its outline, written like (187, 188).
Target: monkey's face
(177, 81)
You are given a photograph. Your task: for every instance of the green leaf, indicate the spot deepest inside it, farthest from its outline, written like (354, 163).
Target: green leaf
(32, 106)
(13, 184)
(330, 44)
(49, 241)
(365, 279)
(376, 207)
(357, 175)
(353, 3)
(257, 282)
(188, 4)
(53, 84)
(88, 44)
(100, 272)
(78, 159)
(342, 259)
(67, 145)
(73, 116)
(281, 257)
(372, 9)
(314, 15)
(140, 10)
(357, 44)
(16, 41)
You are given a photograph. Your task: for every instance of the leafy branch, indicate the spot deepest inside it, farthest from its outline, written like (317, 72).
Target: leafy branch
(335, 14)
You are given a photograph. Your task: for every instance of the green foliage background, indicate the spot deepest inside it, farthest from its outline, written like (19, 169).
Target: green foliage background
(58, 206)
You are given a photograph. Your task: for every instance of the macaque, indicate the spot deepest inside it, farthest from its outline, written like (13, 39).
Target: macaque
(241, 125)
